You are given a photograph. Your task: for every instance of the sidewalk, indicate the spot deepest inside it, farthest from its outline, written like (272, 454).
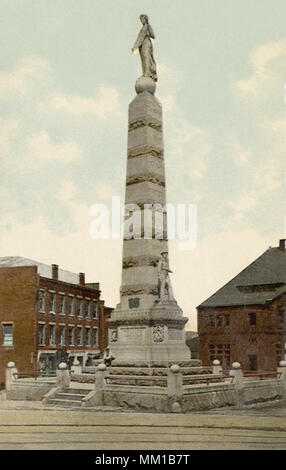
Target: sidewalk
(34, 426)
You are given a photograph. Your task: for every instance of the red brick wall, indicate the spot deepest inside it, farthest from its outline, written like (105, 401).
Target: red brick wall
(19, 304)
(78, 292)
(18, 288)
(244, 339)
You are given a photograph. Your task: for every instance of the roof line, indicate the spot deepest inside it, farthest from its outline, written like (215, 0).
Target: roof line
(225, 285)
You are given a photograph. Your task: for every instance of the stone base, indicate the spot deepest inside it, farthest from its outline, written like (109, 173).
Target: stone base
(150, 367)
(149, 374)
(149, 336)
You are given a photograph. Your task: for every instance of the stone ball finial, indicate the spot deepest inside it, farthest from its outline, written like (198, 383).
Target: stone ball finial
(62, 366)
(176, 407)
(145, 84)
(282, 364)
(11, 364)
(175, 368)
(101, 367)
(76, 362)
(236, 365)
(216, 362)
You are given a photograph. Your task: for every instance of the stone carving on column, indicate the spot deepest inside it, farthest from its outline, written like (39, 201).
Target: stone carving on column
(165, 288)
(144, 44)
(134, 303)
(158, 333)
(113, 335)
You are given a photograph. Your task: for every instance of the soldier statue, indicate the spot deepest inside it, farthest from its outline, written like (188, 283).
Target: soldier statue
(164, 279)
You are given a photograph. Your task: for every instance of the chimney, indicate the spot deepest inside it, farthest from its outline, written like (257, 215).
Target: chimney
(282, 244)
(55, 272)
(81, 277)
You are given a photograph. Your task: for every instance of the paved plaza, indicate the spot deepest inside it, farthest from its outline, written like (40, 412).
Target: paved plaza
(32, 426)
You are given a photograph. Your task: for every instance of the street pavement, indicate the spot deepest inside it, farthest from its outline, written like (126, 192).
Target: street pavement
(33, 426)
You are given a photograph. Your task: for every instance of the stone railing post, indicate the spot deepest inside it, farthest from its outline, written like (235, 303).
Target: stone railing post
(217, 369)
(282, 372)
(10, 375)
(236, 375)
(63, 376)
(175, 388)
(100, 374)
(76, 368)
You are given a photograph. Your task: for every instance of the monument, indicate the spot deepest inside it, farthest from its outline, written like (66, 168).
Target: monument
(147, 326)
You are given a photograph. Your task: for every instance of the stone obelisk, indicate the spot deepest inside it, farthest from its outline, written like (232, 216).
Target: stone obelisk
(147, 325)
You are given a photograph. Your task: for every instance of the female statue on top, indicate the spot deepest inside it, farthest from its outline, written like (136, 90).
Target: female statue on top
(144, 44)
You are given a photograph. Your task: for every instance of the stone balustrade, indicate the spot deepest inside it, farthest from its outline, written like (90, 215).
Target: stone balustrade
(176, 395)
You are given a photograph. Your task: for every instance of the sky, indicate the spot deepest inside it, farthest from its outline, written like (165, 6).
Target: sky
(67, 76)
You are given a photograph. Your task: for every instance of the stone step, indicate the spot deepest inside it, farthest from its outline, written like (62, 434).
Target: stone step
(69, 396)
(80, 391)
(63, 402)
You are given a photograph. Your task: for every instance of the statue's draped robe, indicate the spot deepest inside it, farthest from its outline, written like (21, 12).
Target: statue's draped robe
(144, 44)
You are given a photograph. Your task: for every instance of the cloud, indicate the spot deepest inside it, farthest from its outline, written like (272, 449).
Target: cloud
(241, 156)
(28, 71)
(269, 177)
(275, 127)
(262, 62)
(105, 104)
(8, 130)
(186, 141)
(183, 140)
(67, 191)
(242, 205)
(44, 149)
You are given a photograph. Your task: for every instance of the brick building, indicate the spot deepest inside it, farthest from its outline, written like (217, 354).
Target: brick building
(245, 321)
(47, 315)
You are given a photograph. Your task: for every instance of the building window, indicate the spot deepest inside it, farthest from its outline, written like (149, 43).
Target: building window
(281, 317)
(42, 335)
(278, 353)
(88, 309)
(95, 310)
(42, 301)
(71, 336)
(87, 337)
(217, 321)
(62, 335)
(7, 335)
(62, 304)
(220, 352)
(52, 335)
(71, 306)
(52, 302)
(80, 336)
(252, 362)
(95, 337)
(79, 308)
(227, 319)
(252, 319)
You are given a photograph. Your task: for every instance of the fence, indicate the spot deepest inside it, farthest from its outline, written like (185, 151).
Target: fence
(179, 392)
(174, 389)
